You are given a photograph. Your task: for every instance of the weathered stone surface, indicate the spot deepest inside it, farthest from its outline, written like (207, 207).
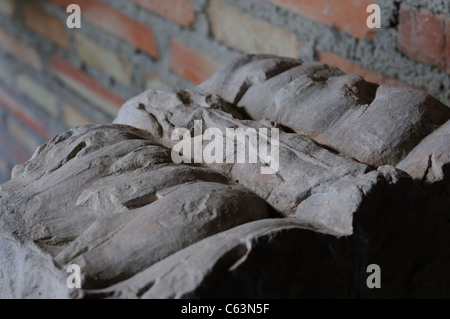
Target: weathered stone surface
(111, 199)
(284, 258)
(429, 161)
(303, 165)
(377, 125)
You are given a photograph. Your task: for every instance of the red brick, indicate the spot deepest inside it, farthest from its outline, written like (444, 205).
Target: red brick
(16, 48)
(73, 117)
(179, 11)
(38, 93)
(190, 63)
(349, 16)
(14, 107)
(116, 23)
(422, 35)
(110, 62)
(46, 25)
(447, 44)
(351, 67)
(244, 33)
(86, 86)
(154, 82)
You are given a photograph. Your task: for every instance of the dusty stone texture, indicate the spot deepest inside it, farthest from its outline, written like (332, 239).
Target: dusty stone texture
(429, 161)
(111, 200)
(304, 166)
(377, 125)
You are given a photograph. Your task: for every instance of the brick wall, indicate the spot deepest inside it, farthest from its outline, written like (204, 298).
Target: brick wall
(53, 78)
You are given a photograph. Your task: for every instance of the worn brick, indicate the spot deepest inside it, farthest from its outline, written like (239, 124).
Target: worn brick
(349, 16)
(17, 49)
(447, 44)
(351, 67)
(38, 93)
(422, 35)
(73, 118)
(190, 63)
(11, 105)
(46, 25)
(179, 11)
(86, 86)
(113, 64)
(154, 82)
(7, 7)
(242, 32)
(116, 23)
